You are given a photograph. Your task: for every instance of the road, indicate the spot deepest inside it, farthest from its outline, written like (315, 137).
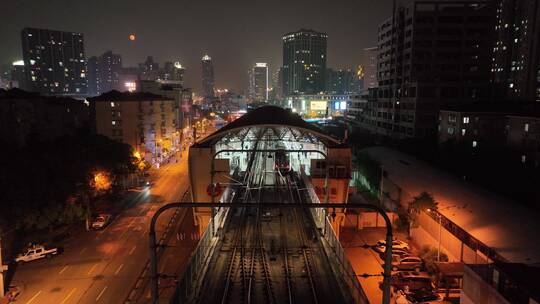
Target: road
(102, 266)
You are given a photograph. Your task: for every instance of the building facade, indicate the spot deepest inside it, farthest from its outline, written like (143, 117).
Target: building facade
(26, 117)
(431, 54)
(471, 128)
(304, 62)
(516, 53)
(523, 137)
(368, 68)
(342, 81)
(207, 78)
(149, 69)
(146, 121)
(320, 105)
(55, 62)
(258, 82)
(104, 73)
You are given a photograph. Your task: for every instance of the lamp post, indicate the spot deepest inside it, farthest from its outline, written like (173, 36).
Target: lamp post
(440, 229)
(2, 269)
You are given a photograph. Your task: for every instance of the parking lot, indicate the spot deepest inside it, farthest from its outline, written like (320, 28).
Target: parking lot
(409, 277)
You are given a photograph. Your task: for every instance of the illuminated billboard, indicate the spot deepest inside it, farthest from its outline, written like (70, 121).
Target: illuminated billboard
(318, 105)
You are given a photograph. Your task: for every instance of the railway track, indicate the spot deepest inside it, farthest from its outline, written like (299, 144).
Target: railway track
(266, 258)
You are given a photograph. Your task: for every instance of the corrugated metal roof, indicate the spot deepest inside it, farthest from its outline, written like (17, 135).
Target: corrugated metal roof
(505, 226)
(270, 116)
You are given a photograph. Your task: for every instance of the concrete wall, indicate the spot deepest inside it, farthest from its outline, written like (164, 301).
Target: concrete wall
(428, 234)
(477, 291)
(368, 220)
(200, 162)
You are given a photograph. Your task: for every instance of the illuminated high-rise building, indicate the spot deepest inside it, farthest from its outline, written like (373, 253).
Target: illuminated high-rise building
(54, 61)
(173, 72)
(516, 53)
(304, 62)
(258, 82)
(368, 68)
(207, 77)
(149, 69)
(342, 81)
(104, 73)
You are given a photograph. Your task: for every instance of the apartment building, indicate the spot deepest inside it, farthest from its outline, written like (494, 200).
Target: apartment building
(146, 121)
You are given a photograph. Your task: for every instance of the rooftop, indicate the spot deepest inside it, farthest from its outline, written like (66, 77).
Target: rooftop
(508, 228)
(525, 276)
(127, 96)
(18, 94)
(501, 108)
(270, 116)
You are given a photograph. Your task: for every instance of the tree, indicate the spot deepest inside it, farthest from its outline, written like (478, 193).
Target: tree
(408, 217)
(422, 202)
(41, 182)
(429, 255)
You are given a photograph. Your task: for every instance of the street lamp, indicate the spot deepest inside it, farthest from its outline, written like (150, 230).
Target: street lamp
(439, 216)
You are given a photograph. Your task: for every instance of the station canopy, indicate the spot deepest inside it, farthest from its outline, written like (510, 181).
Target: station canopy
(269, 122)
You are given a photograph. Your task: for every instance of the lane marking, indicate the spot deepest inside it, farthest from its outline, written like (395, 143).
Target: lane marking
(101, 293)
(68, 296)
(122, 234)
(34, 297)
(118, 270)
(130, 224)
(92, 269)
(63, 269)
(132, 249)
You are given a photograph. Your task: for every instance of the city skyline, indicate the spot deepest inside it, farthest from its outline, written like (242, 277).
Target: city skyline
(189, 43)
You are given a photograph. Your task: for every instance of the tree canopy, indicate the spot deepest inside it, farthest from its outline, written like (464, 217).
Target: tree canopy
(43, 181)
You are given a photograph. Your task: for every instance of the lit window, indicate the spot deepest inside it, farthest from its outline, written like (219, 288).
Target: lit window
(523, 158)
(526, 127)
(466, 120)
(463, 131)
(474, 143)
(112, 104)
(113, 122)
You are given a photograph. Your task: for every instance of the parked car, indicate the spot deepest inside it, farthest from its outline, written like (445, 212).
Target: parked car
(395, 252)
(36, 252)
(422, 296)
(101, 221)
(413, 280)
(407, 263)
(395, 244)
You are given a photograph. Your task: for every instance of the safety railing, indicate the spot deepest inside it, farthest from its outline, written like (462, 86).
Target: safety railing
(339, 263)
(190, 283)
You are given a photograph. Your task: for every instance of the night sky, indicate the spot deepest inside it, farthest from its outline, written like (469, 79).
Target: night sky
(236, 34)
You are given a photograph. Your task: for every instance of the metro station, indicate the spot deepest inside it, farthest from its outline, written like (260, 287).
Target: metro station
(269, 255)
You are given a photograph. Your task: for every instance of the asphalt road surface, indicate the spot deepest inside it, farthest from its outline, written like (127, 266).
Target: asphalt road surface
(102, 266)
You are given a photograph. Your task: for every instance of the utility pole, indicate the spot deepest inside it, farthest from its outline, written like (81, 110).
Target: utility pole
(439, 247)
(2, 269)
(87, 211)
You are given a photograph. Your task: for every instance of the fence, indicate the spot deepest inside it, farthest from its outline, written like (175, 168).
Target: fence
(339, 263)
(190, 283)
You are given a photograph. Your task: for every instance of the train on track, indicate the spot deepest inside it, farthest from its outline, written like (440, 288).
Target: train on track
(281, 161)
